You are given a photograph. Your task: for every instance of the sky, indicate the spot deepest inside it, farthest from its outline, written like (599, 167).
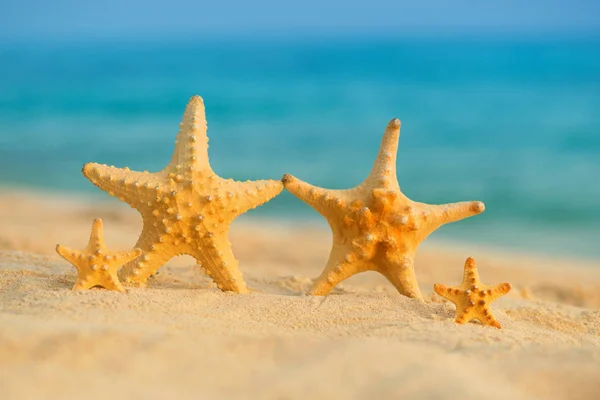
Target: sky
(36, 19)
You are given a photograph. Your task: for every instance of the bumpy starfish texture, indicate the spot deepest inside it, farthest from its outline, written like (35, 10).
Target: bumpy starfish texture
(472, 298)
(186, 208)
(96, 265)
(374, 225)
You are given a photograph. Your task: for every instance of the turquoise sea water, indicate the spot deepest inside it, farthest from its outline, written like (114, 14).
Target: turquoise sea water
(513, 123)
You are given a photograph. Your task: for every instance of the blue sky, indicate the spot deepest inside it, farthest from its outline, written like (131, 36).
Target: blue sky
(140, 18)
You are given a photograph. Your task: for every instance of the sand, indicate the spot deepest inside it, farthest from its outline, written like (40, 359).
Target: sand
(182, 338)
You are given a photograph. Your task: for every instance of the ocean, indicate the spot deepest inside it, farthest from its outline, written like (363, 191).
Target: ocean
(512, 122)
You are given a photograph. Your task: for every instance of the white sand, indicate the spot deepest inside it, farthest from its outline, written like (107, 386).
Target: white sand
(182, 338)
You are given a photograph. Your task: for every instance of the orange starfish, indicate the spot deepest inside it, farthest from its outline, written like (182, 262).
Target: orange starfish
(186, 208)
(472, 298)
(375, 226)
(96, 265)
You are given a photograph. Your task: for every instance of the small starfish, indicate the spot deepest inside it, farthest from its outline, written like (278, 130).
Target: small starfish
(186, 208)
(472, 298)
(96, 265)
(375, 226)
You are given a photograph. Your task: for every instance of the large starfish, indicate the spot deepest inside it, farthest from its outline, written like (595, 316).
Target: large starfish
(186, 208)
(376, 227)
(96, 265)
(472, 298)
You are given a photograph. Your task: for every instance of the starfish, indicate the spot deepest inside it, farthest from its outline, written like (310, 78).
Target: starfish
(374, 225)
(186, 207)
(96, 265)
(472, 298)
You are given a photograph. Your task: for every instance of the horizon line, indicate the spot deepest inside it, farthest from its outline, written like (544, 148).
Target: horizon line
(278, 36)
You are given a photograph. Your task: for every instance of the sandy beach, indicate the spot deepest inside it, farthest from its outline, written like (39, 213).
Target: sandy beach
(183, 338)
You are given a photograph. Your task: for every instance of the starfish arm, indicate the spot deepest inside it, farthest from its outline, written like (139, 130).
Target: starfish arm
(493, 322)
(322, 200)
(486, 318)
(499, 291)
(97, 236)
(438, 215)
(401, 273)
(449, 293)
(127, 256)
(384, 167)
(68, 254)
(462, 315)
(342, 264)
(244, 196)
(470, 273)
(217, 259)
(156, 251)
(129, 186)
(191, 144)
(113, 283)
(83, 284)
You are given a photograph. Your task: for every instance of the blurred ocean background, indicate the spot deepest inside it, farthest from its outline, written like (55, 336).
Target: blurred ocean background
(512, 121)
